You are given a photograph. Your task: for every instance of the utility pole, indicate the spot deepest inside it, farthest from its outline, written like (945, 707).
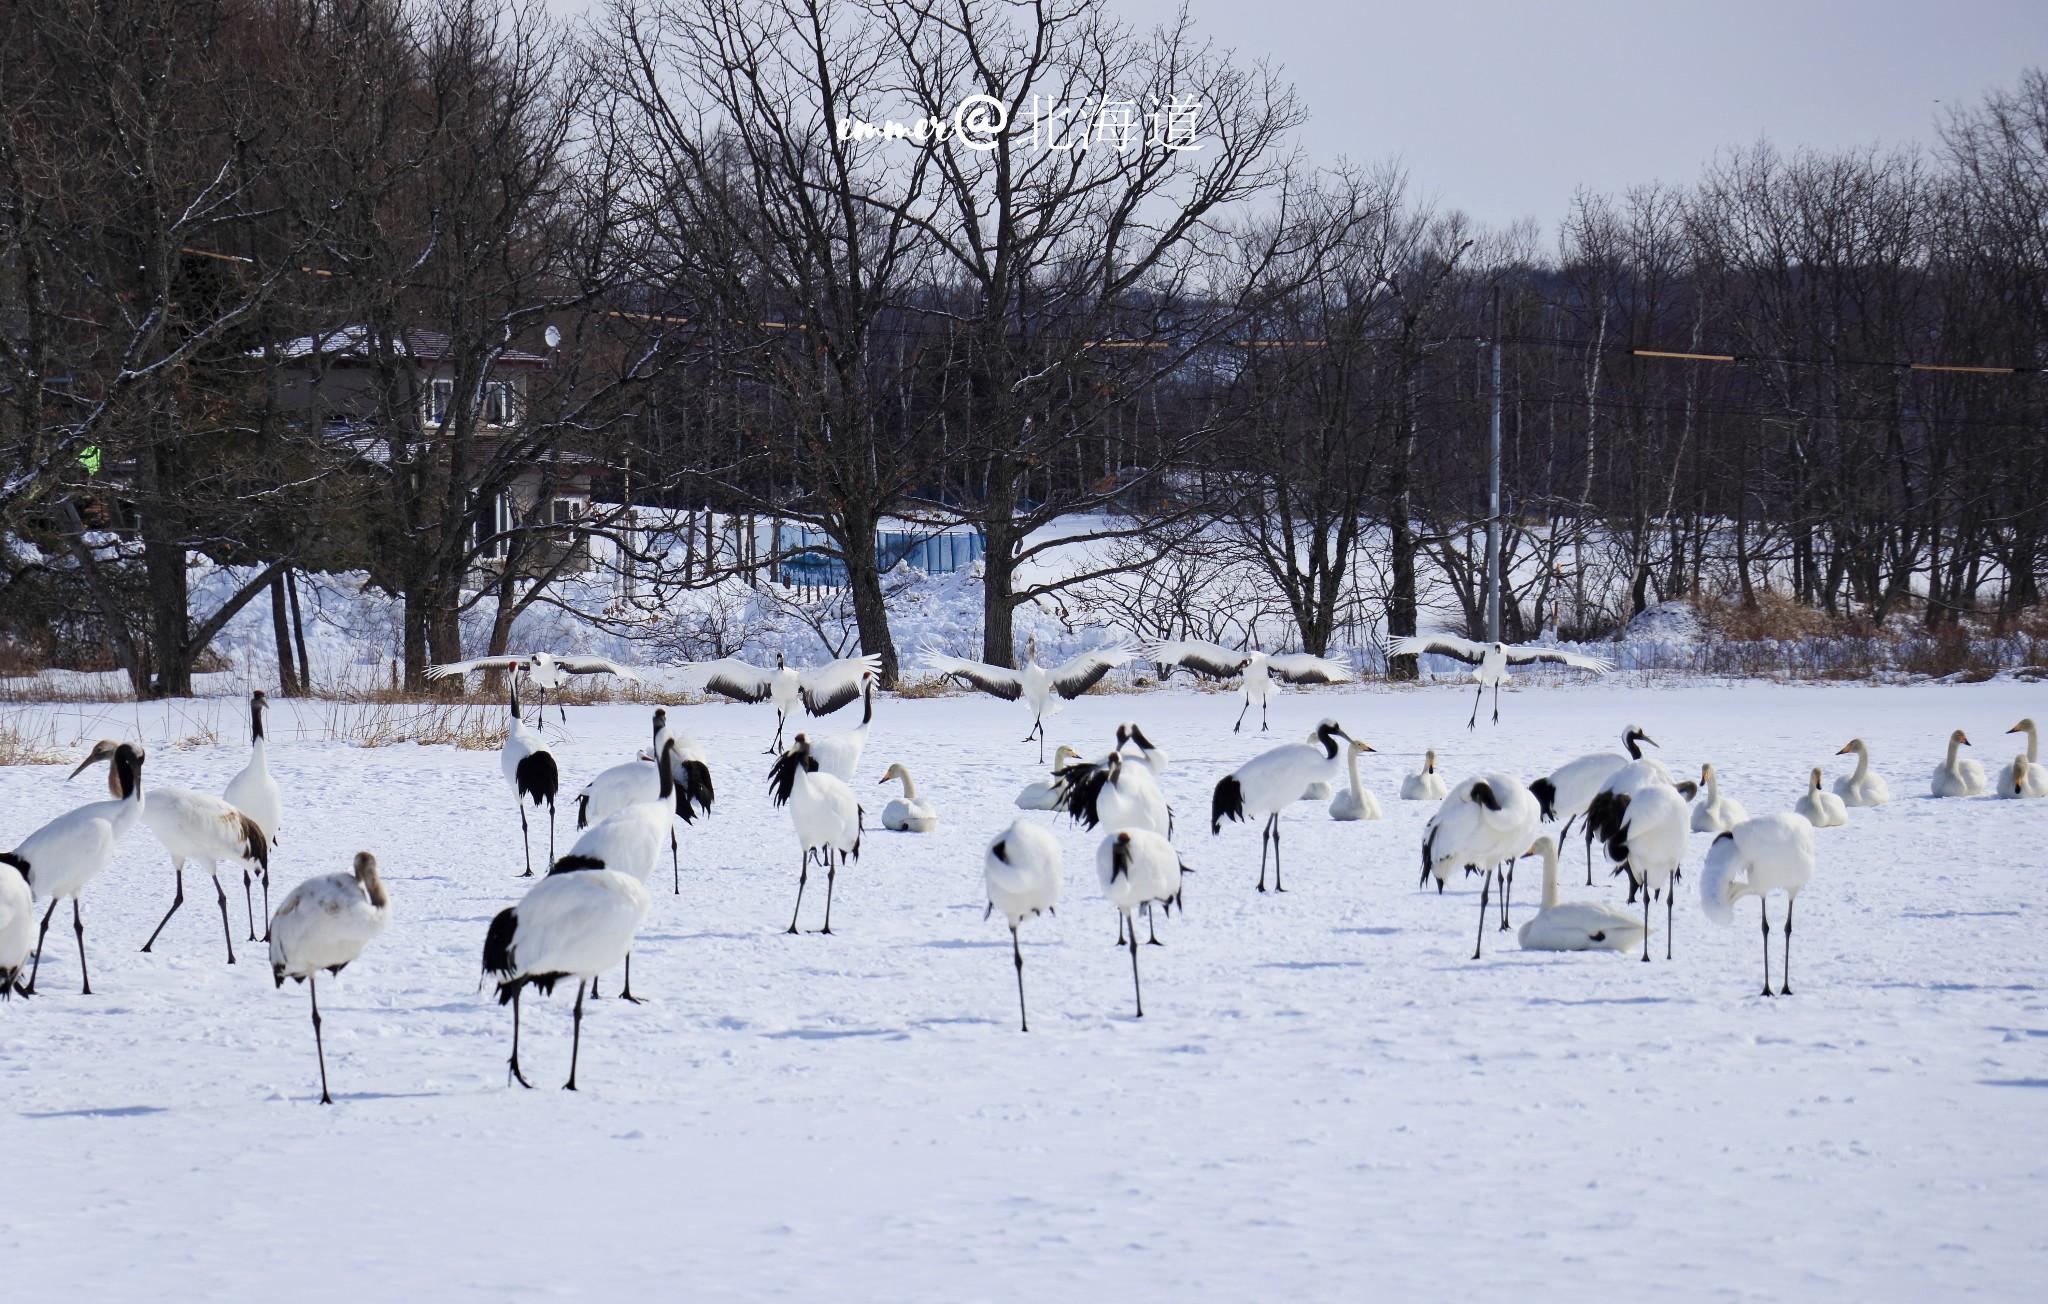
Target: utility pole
(1493, 498)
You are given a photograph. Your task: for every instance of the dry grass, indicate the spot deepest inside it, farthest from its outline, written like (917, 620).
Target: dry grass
(474, 728)
(929, 686)
(25, 740)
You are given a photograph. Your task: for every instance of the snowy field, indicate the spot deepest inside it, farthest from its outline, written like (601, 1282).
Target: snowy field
(1327, 1099)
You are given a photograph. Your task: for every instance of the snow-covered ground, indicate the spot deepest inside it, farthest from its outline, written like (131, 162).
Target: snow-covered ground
(1326, 1099)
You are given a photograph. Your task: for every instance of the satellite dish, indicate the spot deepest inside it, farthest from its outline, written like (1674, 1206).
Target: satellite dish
(553, 335)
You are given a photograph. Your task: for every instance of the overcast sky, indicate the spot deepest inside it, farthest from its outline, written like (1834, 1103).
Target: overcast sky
(1504, 107)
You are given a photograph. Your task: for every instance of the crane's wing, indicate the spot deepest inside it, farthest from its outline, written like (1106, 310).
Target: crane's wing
(1521, 655)
(834, 684)
(1301, 668)
(1441, 644)
(1072, 678)
(1212, 659)
(446, 669)
(727, 677)
(989, 679)
(596, 666)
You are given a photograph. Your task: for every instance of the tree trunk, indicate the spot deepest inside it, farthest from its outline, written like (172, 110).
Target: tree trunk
(864, 582)
(291, 585)
(1001, 540)
(281, 631)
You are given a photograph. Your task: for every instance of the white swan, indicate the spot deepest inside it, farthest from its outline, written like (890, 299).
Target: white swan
(909, 813)
(1050, 794)
(1425, 784)
(1715, 814)
(1757, 858)
(1861, 788)
(2025, 779)
(1355, 803)
(1959, 778)
(2035, 782)
(1822, 809)
(1575, 925)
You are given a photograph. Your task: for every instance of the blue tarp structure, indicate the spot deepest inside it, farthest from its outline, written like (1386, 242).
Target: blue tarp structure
(934, 554)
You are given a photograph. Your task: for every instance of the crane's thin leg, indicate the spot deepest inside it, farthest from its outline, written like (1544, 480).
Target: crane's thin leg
(266, 903)
(1276, 853)
(1017, 953)
(40, 935)
(831, 877)
(227, 934)
(319, 1046)
(1264, 707)
(594, 993)
(803, 877)
(78, 929)
(1785, 976)
(177, 901)
(1119, 928)
(1239, 726)
(1485, 889)
(776, 746)
(248, 901)
(1670, 895)
(627, 994)
(1763, 906)
(1153, 925)
(517, 1076)
(1496, 701)
(1136, 991)
(1646, 915)
(1477, 698)
(675, 864)
(551, 830)
(1507, 892)
(575, 1041)
(525, 838)
(1264, 834)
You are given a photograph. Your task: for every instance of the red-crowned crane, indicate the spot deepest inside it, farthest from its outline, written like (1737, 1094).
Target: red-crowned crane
(324, 923)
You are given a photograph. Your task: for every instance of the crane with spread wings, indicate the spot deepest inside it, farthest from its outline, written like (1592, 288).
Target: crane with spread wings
(1490, 661)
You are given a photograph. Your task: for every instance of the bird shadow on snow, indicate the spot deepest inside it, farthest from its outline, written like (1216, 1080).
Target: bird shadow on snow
(833, 1034)
(2012, 1082)
(113, 1111)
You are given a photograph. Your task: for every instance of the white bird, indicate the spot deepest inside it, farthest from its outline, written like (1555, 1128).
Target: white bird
(1756, 858)
(1260, 670)
(1355, 803)
(1484, 823)
(1272, 781)
(1041, 689)
(1490, 662)
(1051, 793)
(1647, 839)
(544, 670)
(1118, 792)
(909, 813)
(2032, 780)
(1603, 813)
(1715, 813)
(1320, 790)
(199, 826)
(61, 857)
(628, 841)
(839, 754)
(255, 793)
(576, 922)
(324, 923)
(1023, 871)
(640, 780)
(1425, 784)
(1574, 925)
(821, 690)
(689, 768)
(530, 768)
(1136, 868)
(1568, 791)
(17, 927)
(2024, 779)
(1822, 809)
(825, 814)
(1959, 778)
(1861, 788)
(1129, 734)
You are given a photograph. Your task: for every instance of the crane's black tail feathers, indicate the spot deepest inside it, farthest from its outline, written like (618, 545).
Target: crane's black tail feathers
(1228, 803)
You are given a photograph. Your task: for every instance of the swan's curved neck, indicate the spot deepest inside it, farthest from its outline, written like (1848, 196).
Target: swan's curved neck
(1357, 789)
(1953, 744)
(2033, 743)
(1713, 786)
(909, 784)
(1863, 764)
(1549, 879)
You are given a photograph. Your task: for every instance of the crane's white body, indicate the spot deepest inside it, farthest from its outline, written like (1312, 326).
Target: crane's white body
(820, 690)
(909, 813)
(1756, 858)
(1862, 788)
(1822, 809)
(1574, 784)
(839, 754)
(61, 857)
(574, 923)
(1263, 672)
(1129, 734)
(17, 927)
(1714, 813)
(1120, 792)
(1650, 840)
(544, 670)
(1354, 803)
(1137, 867)
(1050, 793)
(1959, 776)
(1471, 830)
(1574, 925)
(1041, 688)
(196, 826)
(253, 791)
(825, 814)
(1272, 781)
(324, 923)
(616, 788)
(1023, 871)
(1425, 784)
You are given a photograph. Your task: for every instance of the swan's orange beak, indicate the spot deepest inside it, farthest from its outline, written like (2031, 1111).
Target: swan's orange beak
(1965, 738)
(2016, 728)
(1846, 749)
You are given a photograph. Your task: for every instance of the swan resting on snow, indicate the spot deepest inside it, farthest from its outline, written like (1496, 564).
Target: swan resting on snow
(1822, 809)
(1959, 777)
(1575, 925)
(1425, 784)
(909, 813)
(1716, 814)
(1355, 803)
(1861, 788)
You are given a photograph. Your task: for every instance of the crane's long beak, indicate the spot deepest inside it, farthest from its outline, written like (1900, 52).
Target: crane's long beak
(100, 752)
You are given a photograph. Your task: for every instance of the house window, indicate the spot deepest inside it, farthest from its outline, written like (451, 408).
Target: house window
(492, 522)
(566, 510)
(498, 403)
(440, 401)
